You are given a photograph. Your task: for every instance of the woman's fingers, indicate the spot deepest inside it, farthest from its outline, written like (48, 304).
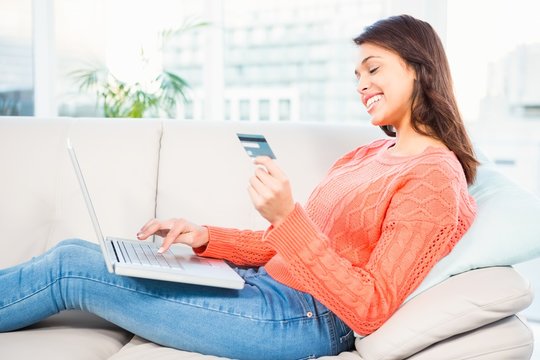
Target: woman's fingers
(147, 225)
(154, 226)
(176, 230)
(256, 198)
(270, 191)
(267, 184)
(261, 184)
(271, 166)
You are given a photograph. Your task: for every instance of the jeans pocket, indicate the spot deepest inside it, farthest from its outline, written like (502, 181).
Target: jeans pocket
(345, 336)
(304, 304)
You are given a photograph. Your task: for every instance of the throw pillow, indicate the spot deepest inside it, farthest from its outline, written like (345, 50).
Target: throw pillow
(506, 230)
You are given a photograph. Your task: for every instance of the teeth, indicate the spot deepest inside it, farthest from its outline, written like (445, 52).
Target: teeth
(374, 99)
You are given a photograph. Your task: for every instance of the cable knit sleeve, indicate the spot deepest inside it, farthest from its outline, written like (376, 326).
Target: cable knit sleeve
(420, 227)
(245, 247)
(242, 247)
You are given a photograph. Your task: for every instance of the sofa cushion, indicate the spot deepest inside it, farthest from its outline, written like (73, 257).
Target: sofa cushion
(514, 341)
(141, 349)
(462, 303)
(66, 336)
(506, 230)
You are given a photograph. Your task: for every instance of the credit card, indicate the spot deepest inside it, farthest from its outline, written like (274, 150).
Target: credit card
(256, 145)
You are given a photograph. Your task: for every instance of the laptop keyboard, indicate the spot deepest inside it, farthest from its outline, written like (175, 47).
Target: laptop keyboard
(144, 254)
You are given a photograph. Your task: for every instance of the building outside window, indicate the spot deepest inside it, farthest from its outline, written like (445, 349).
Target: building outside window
(293, 49)
(494, 59)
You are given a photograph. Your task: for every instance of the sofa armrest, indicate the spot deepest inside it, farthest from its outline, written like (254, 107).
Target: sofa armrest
(514, 340)
(462, 303)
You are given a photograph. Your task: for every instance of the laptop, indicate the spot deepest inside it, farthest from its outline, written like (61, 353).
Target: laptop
(140, 258)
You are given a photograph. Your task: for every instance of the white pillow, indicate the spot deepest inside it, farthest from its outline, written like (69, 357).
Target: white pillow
(463, 304)
(506, 230)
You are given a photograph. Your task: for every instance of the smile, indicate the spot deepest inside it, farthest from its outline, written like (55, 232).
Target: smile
(372, 101)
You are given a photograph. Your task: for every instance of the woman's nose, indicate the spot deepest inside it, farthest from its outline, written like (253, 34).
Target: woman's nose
(362, 86)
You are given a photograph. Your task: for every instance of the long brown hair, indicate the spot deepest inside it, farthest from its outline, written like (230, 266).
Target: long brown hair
(434, 109)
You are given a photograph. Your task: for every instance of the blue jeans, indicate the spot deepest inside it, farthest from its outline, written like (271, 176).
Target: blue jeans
(265, 320)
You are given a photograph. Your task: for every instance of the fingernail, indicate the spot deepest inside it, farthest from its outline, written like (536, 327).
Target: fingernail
(161, 250)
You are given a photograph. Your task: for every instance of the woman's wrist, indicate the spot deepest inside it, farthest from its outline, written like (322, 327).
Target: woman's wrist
(280, 219)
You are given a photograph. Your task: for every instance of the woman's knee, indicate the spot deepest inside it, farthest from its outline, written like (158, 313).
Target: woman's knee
(75, 252)
(75, 242)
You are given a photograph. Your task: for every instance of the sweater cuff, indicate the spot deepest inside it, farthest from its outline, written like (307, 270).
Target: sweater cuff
(221, 243)
(295, 235)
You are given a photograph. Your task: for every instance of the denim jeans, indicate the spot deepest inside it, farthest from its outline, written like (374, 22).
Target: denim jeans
(264, 320)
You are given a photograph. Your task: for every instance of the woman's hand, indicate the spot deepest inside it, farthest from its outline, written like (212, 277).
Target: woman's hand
(270, 191)
(175, 231)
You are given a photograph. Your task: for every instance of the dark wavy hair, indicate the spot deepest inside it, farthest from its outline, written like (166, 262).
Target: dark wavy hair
(434, 110)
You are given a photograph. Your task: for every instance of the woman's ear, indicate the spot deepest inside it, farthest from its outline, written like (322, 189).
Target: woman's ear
(414, 72)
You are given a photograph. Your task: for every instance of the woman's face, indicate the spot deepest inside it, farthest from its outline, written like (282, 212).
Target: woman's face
(385, 84)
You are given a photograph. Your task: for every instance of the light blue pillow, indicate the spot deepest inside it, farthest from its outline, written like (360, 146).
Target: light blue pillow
(506, 230)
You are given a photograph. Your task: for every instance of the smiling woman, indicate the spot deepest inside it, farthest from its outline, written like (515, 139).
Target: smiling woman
(379, 220)
(402, 60)
(383, 74)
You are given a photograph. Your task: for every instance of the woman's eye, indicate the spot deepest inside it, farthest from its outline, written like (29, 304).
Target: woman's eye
(373, 70)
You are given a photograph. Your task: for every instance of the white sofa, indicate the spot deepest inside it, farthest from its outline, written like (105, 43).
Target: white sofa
(140, 169)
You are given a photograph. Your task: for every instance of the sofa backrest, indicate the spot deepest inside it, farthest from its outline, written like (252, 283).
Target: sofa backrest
(137, 169)
(204, 171)
(41, 202)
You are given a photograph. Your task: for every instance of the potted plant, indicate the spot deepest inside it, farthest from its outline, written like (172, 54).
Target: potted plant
(155, 97)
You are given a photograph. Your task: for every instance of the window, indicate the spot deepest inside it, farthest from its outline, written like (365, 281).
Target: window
(494, 58)
(16, 61)
(295, 47)
(244, 105)
(97, 33)
(264, 110)
(299, 48)
(284, 109)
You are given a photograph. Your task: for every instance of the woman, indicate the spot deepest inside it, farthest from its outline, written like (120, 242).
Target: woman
(369, 233)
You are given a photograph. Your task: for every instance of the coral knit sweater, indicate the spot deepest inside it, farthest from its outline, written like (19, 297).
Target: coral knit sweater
(368, 235)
